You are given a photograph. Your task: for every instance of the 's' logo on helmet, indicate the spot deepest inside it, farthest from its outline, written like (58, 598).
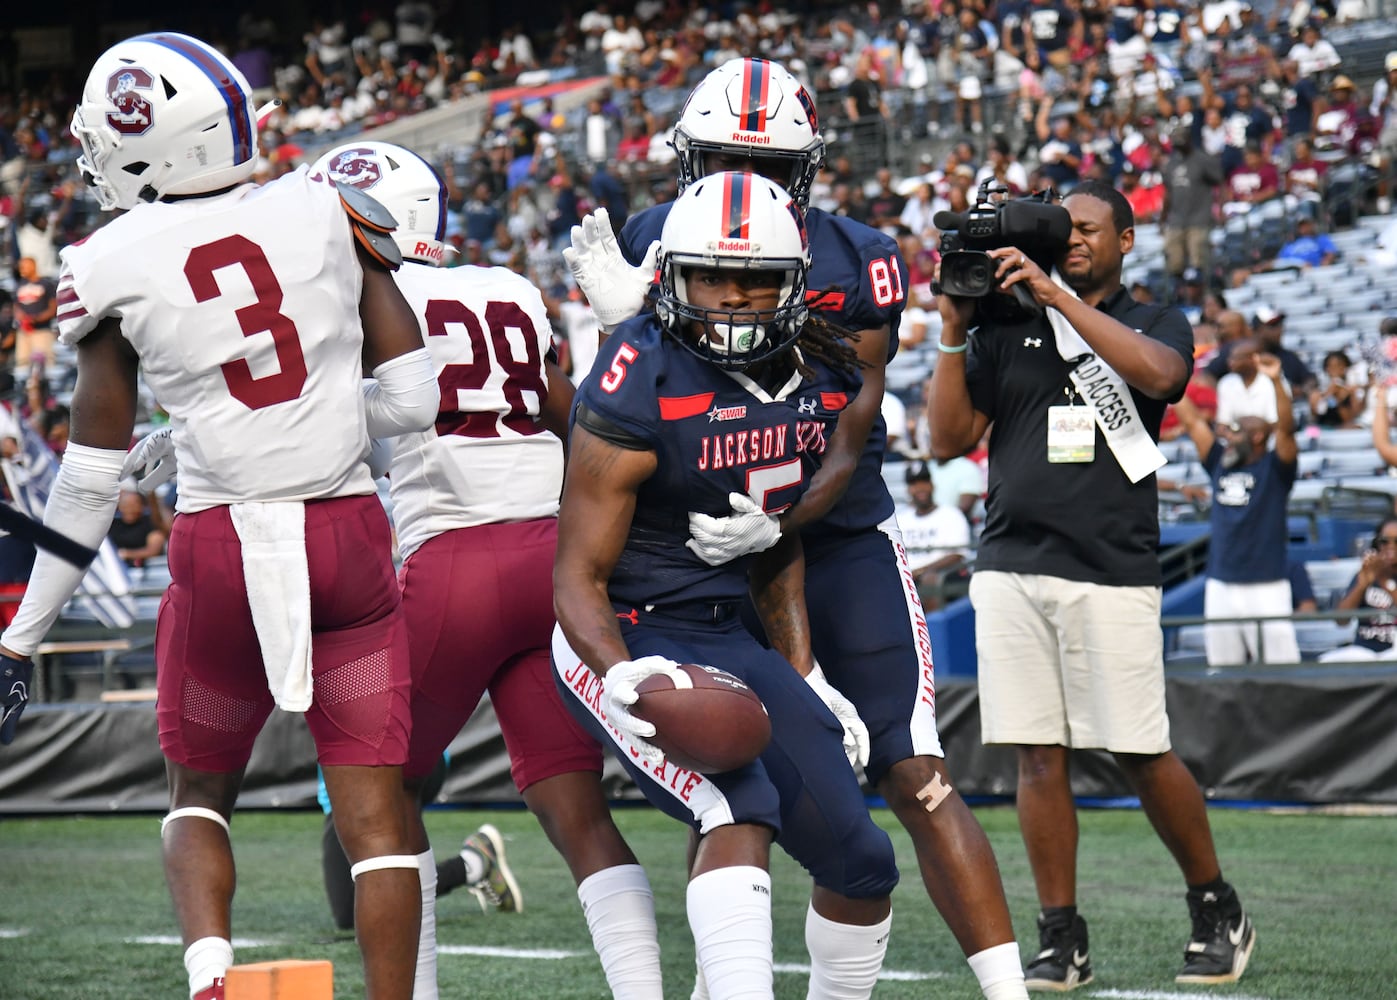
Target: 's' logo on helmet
(133, 114)
(357, 168)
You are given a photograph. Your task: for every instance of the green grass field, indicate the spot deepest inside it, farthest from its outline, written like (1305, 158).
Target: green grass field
(84, 913)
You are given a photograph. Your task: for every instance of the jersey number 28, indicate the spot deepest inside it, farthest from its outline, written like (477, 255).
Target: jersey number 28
(521, 376)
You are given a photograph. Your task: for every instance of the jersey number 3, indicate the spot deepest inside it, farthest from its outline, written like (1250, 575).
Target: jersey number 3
(262, 316)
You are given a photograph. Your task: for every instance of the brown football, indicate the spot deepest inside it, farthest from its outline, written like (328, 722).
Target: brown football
(715, 724)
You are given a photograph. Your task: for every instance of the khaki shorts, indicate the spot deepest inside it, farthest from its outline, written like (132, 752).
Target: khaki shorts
(31, 343)
(1064, 663)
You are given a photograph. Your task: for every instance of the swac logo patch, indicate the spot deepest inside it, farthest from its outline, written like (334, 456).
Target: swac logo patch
(356, 168)
(133, 114)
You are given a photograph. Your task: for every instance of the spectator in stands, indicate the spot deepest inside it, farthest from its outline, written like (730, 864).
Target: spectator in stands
(1255, 181)
(1145, 193)
(1247, 575)
(1190, 295)
(1335, 401)
(1059, 154)
(36, 304)
(886, 205)
(1308, 249)
(1374, 588)
(1242, 392)
(1304, 179)
(959, 483)
(865, 105)
(1301, 99)
(1269, 326)
(937, 539)
(1190, 178)
(139, 529)
(1312, 54)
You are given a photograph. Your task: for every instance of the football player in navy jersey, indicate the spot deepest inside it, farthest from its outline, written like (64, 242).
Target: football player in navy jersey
(869, 632)
(724, 394)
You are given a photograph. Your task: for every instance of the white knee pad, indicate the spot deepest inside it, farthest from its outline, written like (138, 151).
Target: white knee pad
(384, 861)
(189, 812)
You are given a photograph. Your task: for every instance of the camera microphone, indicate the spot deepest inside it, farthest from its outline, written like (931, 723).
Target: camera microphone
(944, 220)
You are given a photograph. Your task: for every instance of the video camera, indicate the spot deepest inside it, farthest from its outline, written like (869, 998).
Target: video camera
(1036, 224)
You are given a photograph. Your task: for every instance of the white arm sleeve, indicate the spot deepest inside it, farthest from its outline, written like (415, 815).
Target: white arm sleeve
(402, 396)
(81, 506)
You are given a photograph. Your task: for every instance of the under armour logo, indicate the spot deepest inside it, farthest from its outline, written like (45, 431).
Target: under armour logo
(806, 406)
(633, 617)
(1033, 342)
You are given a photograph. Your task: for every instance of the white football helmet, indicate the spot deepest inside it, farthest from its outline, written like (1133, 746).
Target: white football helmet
(164, 114)
(403, 183)
(751, 108)
(740, 221)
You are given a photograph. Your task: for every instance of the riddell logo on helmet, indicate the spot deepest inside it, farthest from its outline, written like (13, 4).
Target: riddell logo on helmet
(735, 245)
(427, 250)
(754, 138)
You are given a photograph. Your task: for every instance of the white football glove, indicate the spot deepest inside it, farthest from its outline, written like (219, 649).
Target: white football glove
(618, 694)
(155, 453)
(615, 290)
(717, 540)
(855, 732)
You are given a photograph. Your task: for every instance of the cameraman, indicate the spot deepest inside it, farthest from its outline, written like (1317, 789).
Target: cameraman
(1067, 585)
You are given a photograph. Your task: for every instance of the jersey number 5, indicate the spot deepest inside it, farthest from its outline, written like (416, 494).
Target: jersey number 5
(521, 376)
(262, 316)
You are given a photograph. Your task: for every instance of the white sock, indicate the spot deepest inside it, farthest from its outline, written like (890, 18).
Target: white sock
(424, 987)
(620, 912)
(730, 916)
(1000, 972)
(205, 960)
(845, 959)
(475, 865)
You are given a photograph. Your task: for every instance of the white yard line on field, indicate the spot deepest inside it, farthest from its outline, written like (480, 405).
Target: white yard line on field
(13, 932)
(893, 975)
(171, 939)
(1158, 995)
(548, 954)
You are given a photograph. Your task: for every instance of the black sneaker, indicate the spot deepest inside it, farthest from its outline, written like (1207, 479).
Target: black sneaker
(1063, 963)
(1223, 937)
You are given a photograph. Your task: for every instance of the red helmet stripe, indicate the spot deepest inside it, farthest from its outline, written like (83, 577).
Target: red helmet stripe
(756, 79)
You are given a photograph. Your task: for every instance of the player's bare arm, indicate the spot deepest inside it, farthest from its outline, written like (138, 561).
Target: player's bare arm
(104, 400)
(390, 328)
(599, 495)
(850, 435)
(556, 407)
(777, 580)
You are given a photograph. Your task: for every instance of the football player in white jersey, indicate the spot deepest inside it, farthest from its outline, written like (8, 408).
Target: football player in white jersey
(252, 313)
(475, 504)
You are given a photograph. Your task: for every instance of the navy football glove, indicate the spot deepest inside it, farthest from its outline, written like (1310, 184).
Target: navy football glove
(15, 677)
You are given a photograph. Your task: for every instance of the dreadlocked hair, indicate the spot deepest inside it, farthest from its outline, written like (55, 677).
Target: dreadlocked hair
(826, 342)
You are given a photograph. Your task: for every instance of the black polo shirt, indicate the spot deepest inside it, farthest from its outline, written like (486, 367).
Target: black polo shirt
(1079, 521)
